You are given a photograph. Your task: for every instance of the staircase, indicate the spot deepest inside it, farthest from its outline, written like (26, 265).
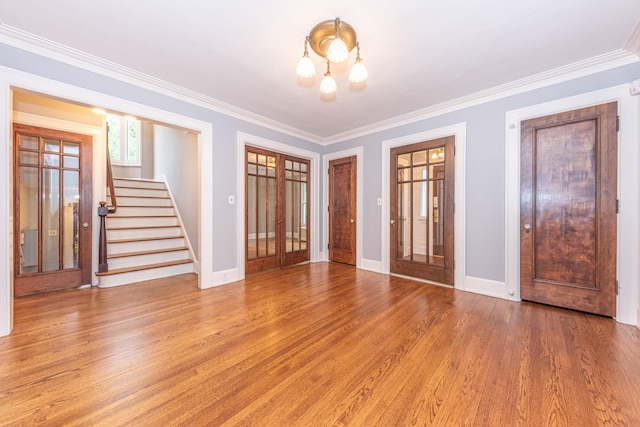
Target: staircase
(145, 239)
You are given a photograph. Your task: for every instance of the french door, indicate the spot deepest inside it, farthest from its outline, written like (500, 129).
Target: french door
(277, 210)
(421, 210)
(52, 207)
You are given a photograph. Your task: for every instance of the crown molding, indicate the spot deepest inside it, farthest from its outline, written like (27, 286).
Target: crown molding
(572, 71)
(44, 47)
(59, 52)
(633, 42)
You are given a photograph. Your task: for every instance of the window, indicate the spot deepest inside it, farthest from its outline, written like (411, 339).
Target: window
(123, 139)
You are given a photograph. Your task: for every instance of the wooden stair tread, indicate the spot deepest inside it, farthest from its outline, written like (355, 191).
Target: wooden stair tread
(144, 239)
(144, 267)
(143, 197)
(142, 227)
(149, 252)
(142, 216)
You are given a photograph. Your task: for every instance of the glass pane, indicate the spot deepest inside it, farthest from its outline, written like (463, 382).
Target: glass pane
(71, 147)
(303, 167)
(70, 221)
(262, 170)
(271, 172)
(271, 162)
(419, 225)
(30, 142)
(296, 166)
(271, 218)
(29, 196)
(262, 216)
(404, 159)
(71, 162)
(29, 157)
(252, 197)
(52, 145)
(289, 220)
(303, 176)
(404, 221)
(113, 122)
(420, 157)
(404, 174)
(288, 164)
(436, 243)
(436, 171)
(50, 219)
(303, 214)
(52, 160)
(252, 157)
(436, 155)
(251, 169)
(132, 139)
(288, 174)
(262, 159)
(419, 173)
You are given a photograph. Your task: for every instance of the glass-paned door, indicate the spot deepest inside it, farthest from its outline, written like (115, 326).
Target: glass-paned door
(422, 210)
(277, 211)
(52, 203)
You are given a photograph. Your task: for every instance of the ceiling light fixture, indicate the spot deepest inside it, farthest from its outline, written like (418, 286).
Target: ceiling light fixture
(332, 40)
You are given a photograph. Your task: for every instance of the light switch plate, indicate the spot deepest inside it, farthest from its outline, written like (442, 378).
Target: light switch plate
(232, 199)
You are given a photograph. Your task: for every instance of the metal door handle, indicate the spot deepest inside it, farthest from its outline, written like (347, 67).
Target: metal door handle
(352, 220)
(527, 228)
(85, 225)
(393, 221)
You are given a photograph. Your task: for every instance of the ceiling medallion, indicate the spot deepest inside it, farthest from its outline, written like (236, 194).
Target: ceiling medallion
(333, 40)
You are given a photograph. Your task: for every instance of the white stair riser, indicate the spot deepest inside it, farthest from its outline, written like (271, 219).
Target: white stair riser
(141, 233)
(138, 184)
(146, 259)
(144, 245)
(140, 192)
(142, 201)
(115, 222)
(144, 211)
(139, 276)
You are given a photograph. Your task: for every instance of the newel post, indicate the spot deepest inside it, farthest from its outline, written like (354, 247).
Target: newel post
(102, 245)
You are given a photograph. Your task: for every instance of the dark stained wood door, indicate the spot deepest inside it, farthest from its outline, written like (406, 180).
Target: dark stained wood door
(277, 211)
(53, 209)
(422, 210)
(568, 209)
(342, 210)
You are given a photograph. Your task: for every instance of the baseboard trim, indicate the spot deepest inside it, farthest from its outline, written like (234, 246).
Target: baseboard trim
(491, 288)
(222, 278)
(371, 265)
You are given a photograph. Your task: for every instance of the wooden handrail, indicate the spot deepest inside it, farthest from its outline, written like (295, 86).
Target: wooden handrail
(103, 211)
(113, 206)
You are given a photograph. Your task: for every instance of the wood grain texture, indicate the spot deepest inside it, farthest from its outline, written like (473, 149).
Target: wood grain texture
(342, 210)
(316, 344)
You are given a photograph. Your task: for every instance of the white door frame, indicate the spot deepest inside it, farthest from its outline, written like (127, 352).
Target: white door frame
(459, 131)
(358, 152)
(244, 139)
(628, 186)
(10, 78)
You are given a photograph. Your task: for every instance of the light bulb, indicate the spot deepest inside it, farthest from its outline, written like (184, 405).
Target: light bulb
(328, 85)
(338, 51)
(358, 72)
(305, 68)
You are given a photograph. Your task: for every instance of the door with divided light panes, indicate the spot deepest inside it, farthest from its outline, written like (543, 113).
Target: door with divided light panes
(277, 210)
(52, 209)
(421, 210)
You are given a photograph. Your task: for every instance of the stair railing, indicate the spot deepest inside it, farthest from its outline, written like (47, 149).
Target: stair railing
(103, 211)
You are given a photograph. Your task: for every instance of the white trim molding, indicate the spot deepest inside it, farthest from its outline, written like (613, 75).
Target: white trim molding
(491, 288)
(244, 139)
(358, 152)
(10, 78)
(628, 251)
(459, 131)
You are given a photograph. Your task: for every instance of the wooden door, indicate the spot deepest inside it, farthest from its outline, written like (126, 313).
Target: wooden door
(422, 209)
(276, 211)
(568, 209)
(342, 210)
(53, 209)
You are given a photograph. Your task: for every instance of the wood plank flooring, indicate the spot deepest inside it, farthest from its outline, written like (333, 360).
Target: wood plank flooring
(312, 345)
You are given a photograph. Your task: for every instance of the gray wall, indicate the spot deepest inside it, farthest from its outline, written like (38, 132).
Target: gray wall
(485, 171)
(175, 156)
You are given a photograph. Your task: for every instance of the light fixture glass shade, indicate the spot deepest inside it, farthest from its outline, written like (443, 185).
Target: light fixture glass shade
(338, 51)
(328, 85)
(358, 73)
(306, 68)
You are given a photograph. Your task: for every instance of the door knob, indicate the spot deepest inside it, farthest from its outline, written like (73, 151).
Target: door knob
(527, 228)
(393, 221)
(85, 225)
(352, 220)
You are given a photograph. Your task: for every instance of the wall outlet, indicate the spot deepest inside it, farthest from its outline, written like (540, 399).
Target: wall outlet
(53, 232)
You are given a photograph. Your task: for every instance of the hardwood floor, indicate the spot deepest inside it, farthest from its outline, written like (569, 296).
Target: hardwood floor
(312, 345)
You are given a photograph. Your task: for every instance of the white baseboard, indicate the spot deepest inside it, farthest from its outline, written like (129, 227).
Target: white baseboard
(371, 265)
(222, 278)
(322, 256)
(490, 288)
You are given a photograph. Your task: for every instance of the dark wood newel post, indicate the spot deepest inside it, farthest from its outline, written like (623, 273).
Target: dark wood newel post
(102, 250)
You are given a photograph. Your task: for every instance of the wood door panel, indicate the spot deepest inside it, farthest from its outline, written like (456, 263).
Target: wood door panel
(342, 210)
(568, 209)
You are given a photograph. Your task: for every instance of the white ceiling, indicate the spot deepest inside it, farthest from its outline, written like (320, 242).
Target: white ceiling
(419, 53)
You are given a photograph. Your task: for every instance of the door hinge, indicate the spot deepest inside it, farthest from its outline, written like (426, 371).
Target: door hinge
(617, 205)
(617, 288)
(618, 124)
(328, 246)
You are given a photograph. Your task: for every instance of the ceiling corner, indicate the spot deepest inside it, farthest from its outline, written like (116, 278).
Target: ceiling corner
(633, 42)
